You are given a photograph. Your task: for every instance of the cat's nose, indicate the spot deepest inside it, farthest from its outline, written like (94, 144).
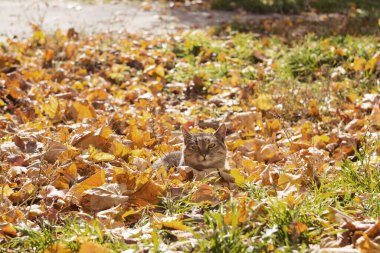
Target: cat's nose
(204, 156)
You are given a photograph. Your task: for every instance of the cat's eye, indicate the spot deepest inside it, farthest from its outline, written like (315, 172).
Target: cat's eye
(195, 147)
(211, 145)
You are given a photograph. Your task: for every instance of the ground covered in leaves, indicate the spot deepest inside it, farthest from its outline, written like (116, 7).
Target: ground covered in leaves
(83, 118)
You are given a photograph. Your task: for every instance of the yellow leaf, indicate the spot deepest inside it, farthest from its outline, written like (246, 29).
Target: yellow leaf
(82, 110)
(118, 149)
(264, 102)
(129, 213)
(97, 94)
(274, 125)
(79, 86)
(104, 132)
(239, 178)
(160, 71)
(320, 141)
(95, 180)
(66, 177)
(25, 192)
(99, 156)
(68, 154)
(370, 65)
(2, 103)
(137, 137)
(5, 190)
(359, 64)
(174, 224)
(352, 96)
(91, 247)
(39, 36)
(51, 108)
(58, 247)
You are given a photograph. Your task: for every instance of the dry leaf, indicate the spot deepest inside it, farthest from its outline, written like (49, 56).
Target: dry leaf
(91, 247)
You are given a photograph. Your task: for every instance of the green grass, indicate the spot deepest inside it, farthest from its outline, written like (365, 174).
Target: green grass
(221, 237)
(296, 6)
(71, 233)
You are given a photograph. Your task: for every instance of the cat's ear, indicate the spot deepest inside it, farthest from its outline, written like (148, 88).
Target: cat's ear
(186, 134)
(221, 132)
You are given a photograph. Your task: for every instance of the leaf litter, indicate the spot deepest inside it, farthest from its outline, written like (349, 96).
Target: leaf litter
(84, 117)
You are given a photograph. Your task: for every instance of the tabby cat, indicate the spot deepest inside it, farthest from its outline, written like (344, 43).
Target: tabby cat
(201, 151)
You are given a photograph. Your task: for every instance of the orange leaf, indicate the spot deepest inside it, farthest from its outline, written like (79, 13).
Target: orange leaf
(91, 247)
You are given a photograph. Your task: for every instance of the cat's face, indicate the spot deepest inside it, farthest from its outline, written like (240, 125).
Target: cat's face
(205, 150)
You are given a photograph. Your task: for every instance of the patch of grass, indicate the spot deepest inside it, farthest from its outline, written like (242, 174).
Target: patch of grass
(362, 179)
(221, 237)
(31, 240)
(276, 224)
(259, 6)
(176, 205)
(71, 233)
(305, 59)
(295, 6)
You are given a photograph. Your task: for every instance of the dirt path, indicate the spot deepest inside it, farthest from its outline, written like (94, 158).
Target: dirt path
(16, 16)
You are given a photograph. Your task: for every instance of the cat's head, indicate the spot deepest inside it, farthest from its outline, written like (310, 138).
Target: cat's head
(205, 150)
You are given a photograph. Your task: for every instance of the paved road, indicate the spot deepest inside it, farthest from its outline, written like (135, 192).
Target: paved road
(16, 16)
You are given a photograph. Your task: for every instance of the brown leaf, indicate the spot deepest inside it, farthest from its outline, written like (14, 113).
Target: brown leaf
(53, 151)
(16, 160)
(366, 245)
(76, 192)
(19, 142)
(149, 193)
(98, 139)
(269, 153)
(8, 230)
(204, 193)
(103, 197)
(269, 176)
(374, 230)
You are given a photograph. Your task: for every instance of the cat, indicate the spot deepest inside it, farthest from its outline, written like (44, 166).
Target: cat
(202, 152)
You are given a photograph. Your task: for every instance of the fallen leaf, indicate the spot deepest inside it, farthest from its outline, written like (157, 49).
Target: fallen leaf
(98, 156)
(91, 247)
(264, 102)
(103, 197)
(204, 193)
